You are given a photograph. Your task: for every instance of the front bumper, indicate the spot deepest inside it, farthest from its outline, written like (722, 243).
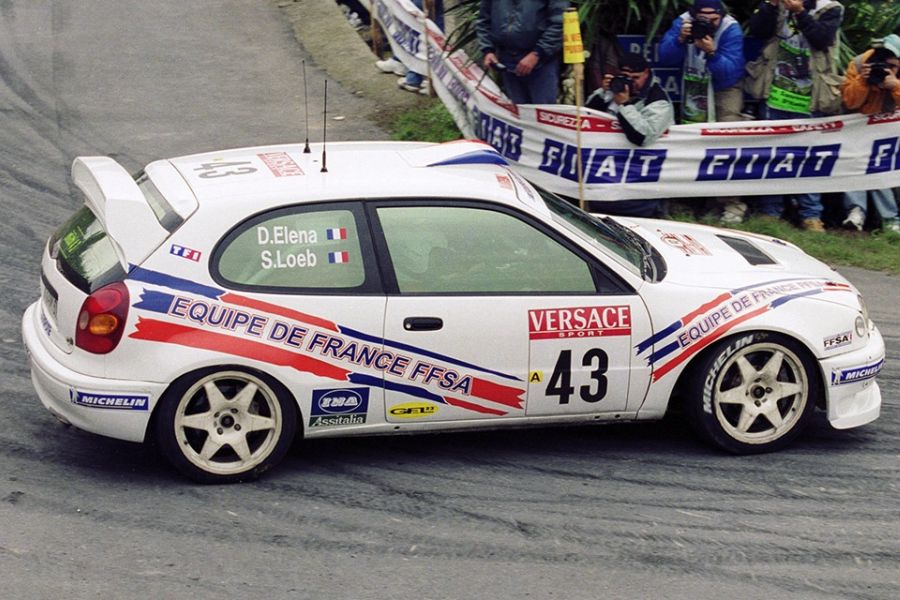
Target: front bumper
(111, 407)
(852, 395)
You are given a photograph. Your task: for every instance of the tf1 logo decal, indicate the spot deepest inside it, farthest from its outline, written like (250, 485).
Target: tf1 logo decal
(344, 406)
(185, 252)
(585, 321)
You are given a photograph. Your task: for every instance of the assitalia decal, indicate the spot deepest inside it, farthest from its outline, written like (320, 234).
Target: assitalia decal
(710, 321)
(240, 326)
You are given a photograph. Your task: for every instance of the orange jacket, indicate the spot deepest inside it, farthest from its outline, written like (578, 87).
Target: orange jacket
(861, 97)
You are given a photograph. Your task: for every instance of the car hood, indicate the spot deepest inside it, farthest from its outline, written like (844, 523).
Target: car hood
(703, 256)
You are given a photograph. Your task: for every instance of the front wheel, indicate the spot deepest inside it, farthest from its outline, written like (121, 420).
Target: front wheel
(220, 426)
(753, 393)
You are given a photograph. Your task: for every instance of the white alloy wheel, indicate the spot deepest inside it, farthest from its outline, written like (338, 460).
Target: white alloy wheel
(753, 393)
(226, 425)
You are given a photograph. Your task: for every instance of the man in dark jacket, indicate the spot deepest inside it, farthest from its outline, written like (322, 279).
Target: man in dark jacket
(523, 39)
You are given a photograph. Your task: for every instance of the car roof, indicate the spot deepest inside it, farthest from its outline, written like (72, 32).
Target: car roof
(270, 176)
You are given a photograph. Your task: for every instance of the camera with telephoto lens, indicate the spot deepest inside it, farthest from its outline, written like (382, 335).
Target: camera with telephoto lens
(620, 83)
(877, 72)
(701, 27)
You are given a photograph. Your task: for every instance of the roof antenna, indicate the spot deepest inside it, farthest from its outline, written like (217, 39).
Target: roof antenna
(305, 110)
(324, 169)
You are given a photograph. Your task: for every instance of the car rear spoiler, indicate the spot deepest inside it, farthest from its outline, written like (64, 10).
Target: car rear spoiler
(121, 207)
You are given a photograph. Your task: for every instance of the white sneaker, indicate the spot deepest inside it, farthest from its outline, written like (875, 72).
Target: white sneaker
(856, 218)
(391, 65)
(891, 225)
(733, 212)
(403, 85)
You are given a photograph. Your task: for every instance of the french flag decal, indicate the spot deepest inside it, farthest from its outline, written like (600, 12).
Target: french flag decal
(336, 234)
(338, 257)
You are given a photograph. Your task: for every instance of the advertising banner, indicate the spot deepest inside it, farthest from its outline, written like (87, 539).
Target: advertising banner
(831, 154)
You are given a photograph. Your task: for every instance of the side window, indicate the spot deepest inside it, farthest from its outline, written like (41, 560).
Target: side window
(295, 247)
(473, 250)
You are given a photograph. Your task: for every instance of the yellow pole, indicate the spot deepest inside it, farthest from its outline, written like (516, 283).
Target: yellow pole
(573, 53)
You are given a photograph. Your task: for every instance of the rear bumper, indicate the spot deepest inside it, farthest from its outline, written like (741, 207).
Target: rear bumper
(852, 395)
(110, 407)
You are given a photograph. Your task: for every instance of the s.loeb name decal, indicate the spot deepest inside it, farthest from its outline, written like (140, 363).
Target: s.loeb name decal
(584, 321)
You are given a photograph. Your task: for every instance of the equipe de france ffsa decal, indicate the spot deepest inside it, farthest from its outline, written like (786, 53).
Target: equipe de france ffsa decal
(233, 324)
(710, 321)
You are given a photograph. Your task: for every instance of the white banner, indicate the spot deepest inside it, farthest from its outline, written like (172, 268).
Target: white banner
(832, 154)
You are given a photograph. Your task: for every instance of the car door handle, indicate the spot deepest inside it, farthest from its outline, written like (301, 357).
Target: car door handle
(422, 323)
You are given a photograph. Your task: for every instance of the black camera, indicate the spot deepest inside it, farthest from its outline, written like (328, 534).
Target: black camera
(701, 27)
(877, 72)
(620, 83)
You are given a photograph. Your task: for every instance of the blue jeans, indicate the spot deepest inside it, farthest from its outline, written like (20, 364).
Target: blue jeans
(882, 200)
(538, 87)
(809, 206)
(413, 78)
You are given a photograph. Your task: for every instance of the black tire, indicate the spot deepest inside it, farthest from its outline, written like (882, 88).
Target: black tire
(753, 392)
(225, 424)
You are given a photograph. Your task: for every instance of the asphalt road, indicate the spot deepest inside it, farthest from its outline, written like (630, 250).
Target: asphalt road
(626, 511)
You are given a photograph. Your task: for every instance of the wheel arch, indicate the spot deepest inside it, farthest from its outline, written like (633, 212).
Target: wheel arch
(199, 372)
(679, 390)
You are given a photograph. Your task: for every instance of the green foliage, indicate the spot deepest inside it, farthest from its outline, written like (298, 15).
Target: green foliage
(433, 124)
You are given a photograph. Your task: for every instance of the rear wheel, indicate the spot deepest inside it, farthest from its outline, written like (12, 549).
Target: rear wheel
(219, 426)
(753, 393)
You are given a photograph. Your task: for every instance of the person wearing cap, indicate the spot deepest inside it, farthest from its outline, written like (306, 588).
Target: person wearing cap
(523, 40)
(644, 112)
(712, 68)
(712, 64)
(871, 86)
(795, 76)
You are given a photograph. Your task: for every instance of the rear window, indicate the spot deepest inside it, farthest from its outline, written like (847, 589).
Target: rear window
(83, 252)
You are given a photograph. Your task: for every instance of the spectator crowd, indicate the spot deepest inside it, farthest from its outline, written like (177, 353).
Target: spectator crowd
(781, 64)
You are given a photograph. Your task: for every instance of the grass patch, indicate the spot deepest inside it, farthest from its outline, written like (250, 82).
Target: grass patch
(433, 124)
(878, 250)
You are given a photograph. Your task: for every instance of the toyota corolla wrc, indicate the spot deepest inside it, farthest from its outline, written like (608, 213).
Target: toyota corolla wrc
(223, 304)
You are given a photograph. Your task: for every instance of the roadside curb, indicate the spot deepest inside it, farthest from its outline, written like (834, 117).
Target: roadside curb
(320, 27)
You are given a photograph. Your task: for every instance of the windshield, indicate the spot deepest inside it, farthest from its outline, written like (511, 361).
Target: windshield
(635, 252)
(83, 252)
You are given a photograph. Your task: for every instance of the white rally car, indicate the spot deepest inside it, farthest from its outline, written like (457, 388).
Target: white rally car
(222, 304)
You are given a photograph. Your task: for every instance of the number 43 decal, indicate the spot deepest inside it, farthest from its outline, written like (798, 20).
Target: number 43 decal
(560, 383)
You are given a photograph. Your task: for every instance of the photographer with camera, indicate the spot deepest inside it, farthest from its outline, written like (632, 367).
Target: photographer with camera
(644, 112)
(708, 45)
(871, 86)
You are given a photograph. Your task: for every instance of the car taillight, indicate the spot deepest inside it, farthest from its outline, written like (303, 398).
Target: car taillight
(102, 319)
